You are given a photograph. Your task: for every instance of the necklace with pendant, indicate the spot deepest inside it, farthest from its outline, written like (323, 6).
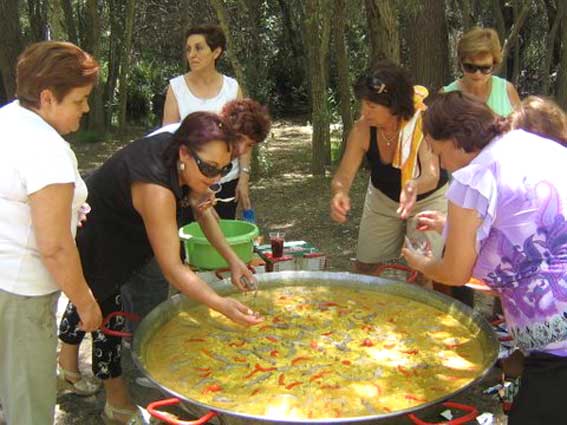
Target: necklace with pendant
(389, 139)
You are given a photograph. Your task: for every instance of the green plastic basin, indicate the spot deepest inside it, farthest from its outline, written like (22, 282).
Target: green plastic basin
(201, 254)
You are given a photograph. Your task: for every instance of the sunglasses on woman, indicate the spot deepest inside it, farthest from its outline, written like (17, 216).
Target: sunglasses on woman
(209, 170)
(471, 68)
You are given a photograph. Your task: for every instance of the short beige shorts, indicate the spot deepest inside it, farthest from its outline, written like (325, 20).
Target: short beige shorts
(381, 233)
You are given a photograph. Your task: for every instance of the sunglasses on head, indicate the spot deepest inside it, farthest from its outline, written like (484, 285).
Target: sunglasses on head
(471, 68)
(377, 85)
(209, 170)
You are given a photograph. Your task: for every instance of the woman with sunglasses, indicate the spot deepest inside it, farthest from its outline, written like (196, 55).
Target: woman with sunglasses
(405, 176)
(137, 197)
(479, 52)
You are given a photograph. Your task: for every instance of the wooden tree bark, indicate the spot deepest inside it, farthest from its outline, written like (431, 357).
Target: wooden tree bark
(218, 5)
(467, 13)
(561, 91)
(96, 121)
(550, 43)
(383, 30)
(116, 15)
(12, 44)
(343, 75)
(429, 56)
(318, 30)
(125, 64)
(70, 21)
(37, 13)
(513, 36)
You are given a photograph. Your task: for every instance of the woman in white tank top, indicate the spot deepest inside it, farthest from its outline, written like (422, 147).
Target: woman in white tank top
(203, 88)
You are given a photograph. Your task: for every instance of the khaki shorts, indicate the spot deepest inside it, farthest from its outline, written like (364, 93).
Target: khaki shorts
(381, 232)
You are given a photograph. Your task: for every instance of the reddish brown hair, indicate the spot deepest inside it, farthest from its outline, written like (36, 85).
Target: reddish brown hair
(249, 118)
(541, 116)
(54, 65)
(214, 37)
(196, 130)
(464, 119)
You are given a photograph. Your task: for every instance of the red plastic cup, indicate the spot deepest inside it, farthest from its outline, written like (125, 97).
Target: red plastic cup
(277, 241)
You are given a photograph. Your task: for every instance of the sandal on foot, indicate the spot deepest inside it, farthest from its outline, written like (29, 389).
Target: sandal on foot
(117, 416)
(83, 386)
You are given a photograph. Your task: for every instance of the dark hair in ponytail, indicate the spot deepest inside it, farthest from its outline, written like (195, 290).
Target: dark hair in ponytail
(464, 119)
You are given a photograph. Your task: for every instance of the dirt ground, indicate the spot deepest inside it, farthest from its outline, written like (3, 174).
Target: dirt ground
(288, 199)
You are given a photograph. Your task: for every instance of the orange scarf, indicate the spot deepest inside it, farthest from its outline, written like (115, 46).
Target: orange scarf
(410, 138)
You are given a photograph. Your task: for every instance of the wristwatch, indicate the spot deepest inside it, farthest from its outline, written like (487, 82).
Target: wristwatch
(245, 170)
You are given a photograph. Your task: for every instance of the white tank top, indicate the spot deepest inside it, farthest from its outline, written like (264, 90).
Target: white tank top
(187, 103)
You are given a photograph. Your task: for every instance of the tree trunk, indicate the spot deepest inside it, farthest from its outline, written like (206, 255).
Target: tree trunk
(70, 21)
(12, 44)
(37, 13)
(116, 15)
(218, 5)
(550, 43)
(467, 13)
(501, 30)
(317, 30)
(514, 32)
(429, 56)
(384, 31)
(343, 74)
(96, 114)
(562, 74)
(125, 64)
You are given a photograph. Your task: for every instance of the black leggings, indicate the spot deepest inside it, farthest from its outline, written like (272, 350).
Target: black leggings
(106, 348)
(543, 392)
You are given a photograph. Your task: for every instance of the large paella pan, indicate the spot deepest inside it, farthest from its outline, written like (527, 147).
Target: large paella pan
(334, 348)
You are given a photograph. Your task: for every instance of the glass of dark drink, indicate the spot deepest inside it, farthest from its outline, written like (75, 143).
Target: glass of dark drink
(277, 240)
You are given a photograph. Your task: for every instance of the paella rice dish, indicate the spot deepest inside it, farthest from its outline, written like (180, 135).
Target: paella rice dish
(320, 353)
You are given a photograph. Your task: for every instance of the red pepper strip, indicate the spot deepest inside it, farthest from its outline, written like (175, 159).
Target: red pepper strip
(346, 362)
(258, 368)
(256, 391)
(343, 312)
(272, 338)
(299, 359)
(195, 340)
(293, 384)
(338, 413)
(453, 346)
(264, 327)
(277, 319)
(212, 388)
(274, 353)
(387, 409)
(313, 344)
(207, 353)
(281, 379)
(319, 375)
(327, 333)
(205, 374)
(415, 398)
(411, 351)
(328, 304)
(239, 359)
(237, 343)
(202, 369)
(378, 389)
(389, 346)
(367, 328)
(403, 371)
(367, 343)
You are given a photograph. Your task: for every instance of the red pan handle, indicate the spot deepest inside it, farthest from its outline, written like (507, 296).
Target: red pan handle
(168, 419)
(130, 316)
(470, 416)
(412, 274)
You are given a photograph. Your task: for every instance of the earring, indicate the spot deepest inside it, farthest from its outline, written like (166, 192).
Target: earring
(181, 166)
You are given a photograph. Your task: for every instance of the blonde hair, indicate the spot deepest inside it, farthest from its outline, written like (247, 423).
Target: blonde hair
(541, 116)
(477, 41)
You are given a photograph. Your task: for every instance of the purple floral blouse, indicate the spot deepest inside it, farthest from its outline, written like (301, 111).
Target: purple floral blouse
(518, 185)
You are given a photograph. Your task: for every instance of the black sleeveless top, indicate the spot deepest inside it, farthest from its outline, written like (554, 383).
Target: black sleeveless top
(388, 179)
(113, 242)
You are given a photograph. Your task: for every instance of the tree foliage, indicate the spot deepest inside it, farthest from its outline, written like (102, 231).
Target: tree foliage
(298, 56)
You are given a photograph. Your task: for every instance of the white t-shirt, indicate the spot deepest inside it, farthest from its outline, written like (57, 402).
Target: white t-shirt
(187, 103)
(32, 156)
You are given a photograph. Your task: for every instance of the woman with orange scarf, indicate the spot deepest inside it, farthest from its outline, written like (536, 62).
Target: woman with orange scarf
(405, 175)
